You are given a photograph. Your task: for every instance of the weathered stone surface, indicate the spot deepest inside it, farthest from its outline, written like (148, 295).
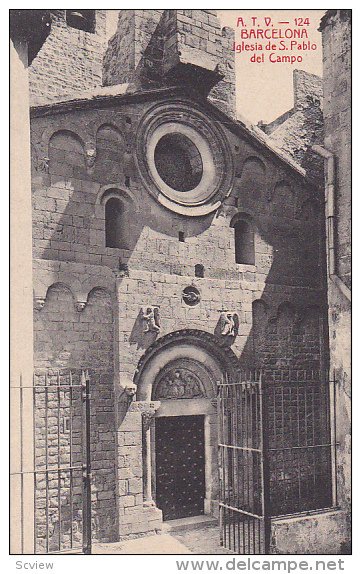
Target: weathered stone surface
(70, 60)
(298, 129)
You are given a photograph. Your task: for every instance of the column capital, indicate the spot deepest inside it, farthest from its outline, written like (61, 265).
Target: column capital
(147, 410)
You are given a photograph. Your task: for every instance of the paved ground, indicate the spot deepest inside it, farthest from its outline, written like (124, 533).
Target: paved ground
(194, 539)
(203, 540)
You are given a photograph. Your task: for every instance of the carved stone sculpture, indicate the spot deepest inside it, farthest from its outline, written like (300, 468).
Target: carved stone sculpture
(43, 164)
(229, 324)
(151, 318)
(179, 384)
(128, 387)
(39, 303)
(191, 296)
(90, 154)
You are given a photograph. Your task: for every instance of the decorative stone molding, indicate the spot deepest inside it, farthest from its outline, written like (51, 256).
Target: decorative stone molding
(229, 323)
(80, 305)
(127, 386)
(191, 296)
(151, 318)
(43, 164)
(144, 406)
(147, 410)
(199, 136)
(90, 154)
(39, 303)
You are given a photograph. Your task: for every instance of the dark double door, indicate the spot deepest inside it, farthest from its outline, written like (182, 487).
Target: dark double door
(180, 466)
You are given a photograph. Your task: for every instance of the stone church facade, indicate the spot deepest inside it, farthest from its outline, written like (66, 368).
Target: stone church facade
(172, 246)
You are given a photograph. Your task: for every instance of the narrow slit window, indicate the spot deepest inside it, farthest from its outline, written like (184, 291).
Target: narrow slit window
(244, 242)
(199, 270)
(114, 223)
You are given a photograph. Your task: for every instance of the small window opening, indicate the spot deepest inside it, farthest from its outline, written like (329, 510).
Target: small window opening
(244, 243)
(81, 20)
(127, 181)
(199, 270)
(114, 223)
(128, 120)
(181, 236)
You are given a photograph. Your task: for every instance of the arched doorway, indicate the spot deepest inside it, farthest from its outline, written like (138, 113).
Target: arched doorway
(180, 372)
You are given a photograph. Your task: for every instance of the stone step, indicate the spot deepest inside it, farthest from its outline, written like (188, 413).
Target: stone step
(189, 523)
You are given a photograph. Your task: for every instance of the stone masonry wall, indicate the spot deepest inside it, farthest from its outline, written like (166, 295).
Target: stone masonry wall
(67, 339)
(153, 268)
(69, 62)
(152, 48)
(297, 130)
(336, 38)
(69, 226)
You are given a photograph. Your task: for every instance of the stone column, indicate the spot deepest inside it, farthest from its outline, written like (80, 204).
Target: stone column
(148, 411)
(137, 511)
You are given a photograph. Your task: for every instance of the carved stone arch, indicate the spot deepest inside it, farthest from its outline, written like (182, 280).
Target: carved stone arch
(194, 346)
(64, 125)
(251, 180)
(244, 238)
(97, 283)
(107, 117)
(65, 285)
(100, 290)
(286, 316)
(241, 216)
(253, 160)
(118, 191)
(285, 307)
(43, 283)
(108, 123)
(262, 305)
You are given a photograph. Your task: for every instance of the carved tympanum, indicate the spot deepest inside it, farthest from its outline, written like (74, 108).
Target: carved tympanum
(179, 383)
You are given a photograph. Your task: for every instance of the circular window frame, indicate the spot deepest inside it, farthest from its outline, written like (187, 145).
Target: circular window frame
(198, 194)
(209, 139)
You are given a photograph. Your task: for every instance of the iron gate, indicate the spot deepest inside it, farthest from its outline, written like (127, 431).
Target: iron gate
(277, 452)
(244, 525)
(58, 484)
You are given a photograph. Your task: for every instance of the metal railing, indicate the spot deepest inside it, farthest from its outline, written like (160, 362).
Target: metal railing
(53, 491)
(243, 495)
(276, 452)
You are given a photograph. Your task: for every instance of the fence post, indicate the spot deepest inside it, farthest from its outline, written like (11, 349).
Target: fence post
(265, 478)
(87, 518)
(333, 432)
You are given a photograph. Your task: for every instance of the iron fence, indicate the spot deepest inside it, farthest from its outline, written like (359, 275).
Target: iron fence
(243, 518)
(276, 452)
(299, 441)
(57, 483)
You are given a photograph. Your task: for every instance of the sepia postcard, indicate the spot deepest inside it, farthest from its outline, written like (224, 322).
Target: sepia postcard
(181, 285)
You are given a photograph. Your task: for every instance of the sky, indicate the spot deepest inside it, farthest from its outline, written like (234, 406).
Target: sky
(264, 91)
